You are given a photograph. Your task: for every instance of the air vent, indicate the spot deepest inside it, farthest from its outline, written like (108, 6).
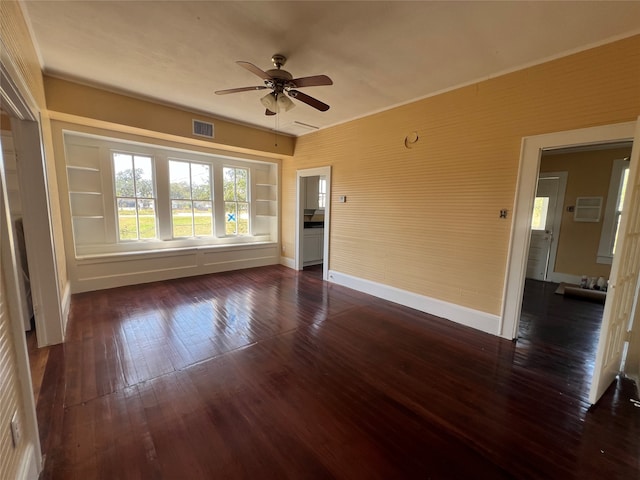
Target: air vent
(202, 129)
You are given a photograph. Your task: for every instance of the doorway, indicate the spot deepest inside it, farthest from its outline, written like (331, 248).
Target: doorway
(545, 224)
(532, 150)
(313, 189)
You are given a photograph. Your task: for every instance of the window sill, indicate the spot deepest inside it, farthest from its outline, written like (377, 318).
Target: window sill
(606, 260)
(163, 252)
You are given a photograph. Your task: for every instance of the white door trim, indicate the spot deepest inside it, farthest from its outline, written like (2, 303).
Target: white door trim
(18, 103)
(300, 174)
(530, 154)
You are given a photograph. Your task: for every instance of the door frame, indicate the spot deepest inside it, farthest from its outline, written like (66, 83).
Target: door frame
(300, 174)
(530, 154)
(16, 107)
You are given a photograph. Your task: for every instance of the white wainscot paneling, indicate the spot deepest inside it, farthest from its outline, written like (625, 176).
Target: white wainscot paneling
(108, 271)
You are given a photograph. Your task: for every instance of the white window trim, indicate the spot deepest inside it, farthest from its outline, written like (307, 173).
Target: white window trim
(165, 241)
(608, 224)
(191, 200)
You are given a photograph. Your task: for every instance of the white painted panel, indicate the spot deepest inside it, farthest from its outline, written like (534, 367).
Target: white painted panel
(84, 180)
(86, 205)
(83, 155)
(88, 231)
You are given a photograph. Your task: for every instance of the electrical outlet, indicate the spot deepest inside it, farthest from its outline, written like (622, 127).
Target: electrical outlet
(16, 430)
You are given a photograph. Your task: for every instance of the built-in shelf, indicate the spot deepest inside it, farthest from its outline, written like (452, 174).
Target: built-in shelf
(75, 192)
(87, 169)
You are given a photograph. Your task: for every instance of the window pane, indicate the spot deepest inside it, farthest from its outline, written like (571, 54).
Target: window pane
(147, 218)
(200, 182)
(615, 238)
(322, 193)
(143, 177)
(179, 180)
(202, 217)
(229, 184)
(127, 219)
(243, 218)
(181, 218)
(241, 185)
(123, 171)
(623, 189)
(230, 218)
(540, 207)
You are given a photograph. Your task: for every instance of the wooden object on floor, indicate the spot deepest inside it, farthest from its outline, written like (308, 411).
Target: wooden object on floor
(271, 373)
(585, 293)
(38, 358)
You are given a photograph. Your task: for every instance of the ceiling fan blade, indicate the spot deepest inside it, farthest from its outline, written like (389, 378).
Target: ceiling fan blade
(255, 70)
(313, 81)
(269, 112)
(241, 89)
(313, 102)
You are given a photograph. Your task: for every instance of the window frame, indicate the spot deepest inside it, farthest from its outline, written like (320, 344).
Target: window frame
(611, 213)
(135, 197)
(102, 223)
(322, 193)
(191, 200)
(247, 202)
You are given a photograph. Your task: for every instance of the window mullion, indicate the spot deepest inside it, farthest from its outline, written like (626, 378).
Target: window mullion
(163, 200)
(218, 200)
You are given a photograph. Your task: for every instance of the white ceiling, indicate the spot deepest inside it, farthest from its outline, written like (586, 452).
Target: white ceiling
(379, 54)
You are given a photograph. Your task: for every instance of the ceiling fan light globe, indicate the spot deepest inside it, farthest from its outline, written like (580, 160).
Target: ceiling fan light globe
(269, 102)
(284, 104)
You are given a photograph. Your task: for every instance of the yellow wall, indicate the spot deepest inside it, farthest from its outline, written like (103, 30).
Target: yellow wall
(589, 174)
(426, 219)
(93, 103)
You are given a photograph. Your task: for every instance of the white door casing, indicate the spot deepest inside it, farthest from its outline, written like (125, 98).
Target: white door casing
(531, 152)
(543, 244)
(300, 204)
(622, 294)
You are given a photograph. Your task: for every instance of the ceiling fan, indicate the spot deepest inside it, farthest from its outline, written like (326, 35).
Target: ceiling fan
(281, 82)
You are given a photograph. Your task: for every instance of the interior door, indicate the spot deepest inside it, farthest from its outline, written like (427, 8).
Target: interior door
(623, 285)
(542, 235)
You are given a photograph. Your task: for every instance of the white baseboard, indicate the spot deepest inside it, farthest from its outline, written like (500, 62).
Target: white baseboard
(288, 262)
(29, 468)
(65, 306)
(559, 277)
(482, 321)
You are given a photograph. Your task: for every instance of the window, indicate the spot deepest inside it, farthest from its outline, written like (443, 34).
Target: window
(191, 200)
(322, 192)
(236, 196)
(540, 210)
(613, 211)
(135, 196)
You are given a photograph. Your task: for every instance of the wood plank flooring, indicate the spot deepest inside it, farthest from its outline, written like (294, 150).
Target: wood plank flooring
(271, 373)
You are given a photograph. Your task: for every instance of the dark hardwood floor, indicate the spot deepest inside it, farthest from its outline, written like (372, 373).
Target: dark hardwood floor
(270, 373)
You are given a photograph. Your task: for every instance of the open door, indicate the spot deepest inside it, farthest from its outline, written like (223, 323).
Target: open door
(545, 226)
(623, 285)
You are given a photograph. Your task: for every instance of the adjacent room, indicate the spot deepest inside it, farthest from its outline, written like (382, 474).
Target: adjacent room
(319, 239)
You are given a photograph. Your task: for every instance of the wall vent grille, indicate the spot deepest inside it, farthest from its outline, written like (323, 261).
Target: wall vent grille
(202, 129)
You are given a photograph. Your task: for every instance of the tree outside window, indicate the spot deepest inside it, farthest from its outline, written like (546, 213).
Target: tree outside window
(135, 196)
(236, 200)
